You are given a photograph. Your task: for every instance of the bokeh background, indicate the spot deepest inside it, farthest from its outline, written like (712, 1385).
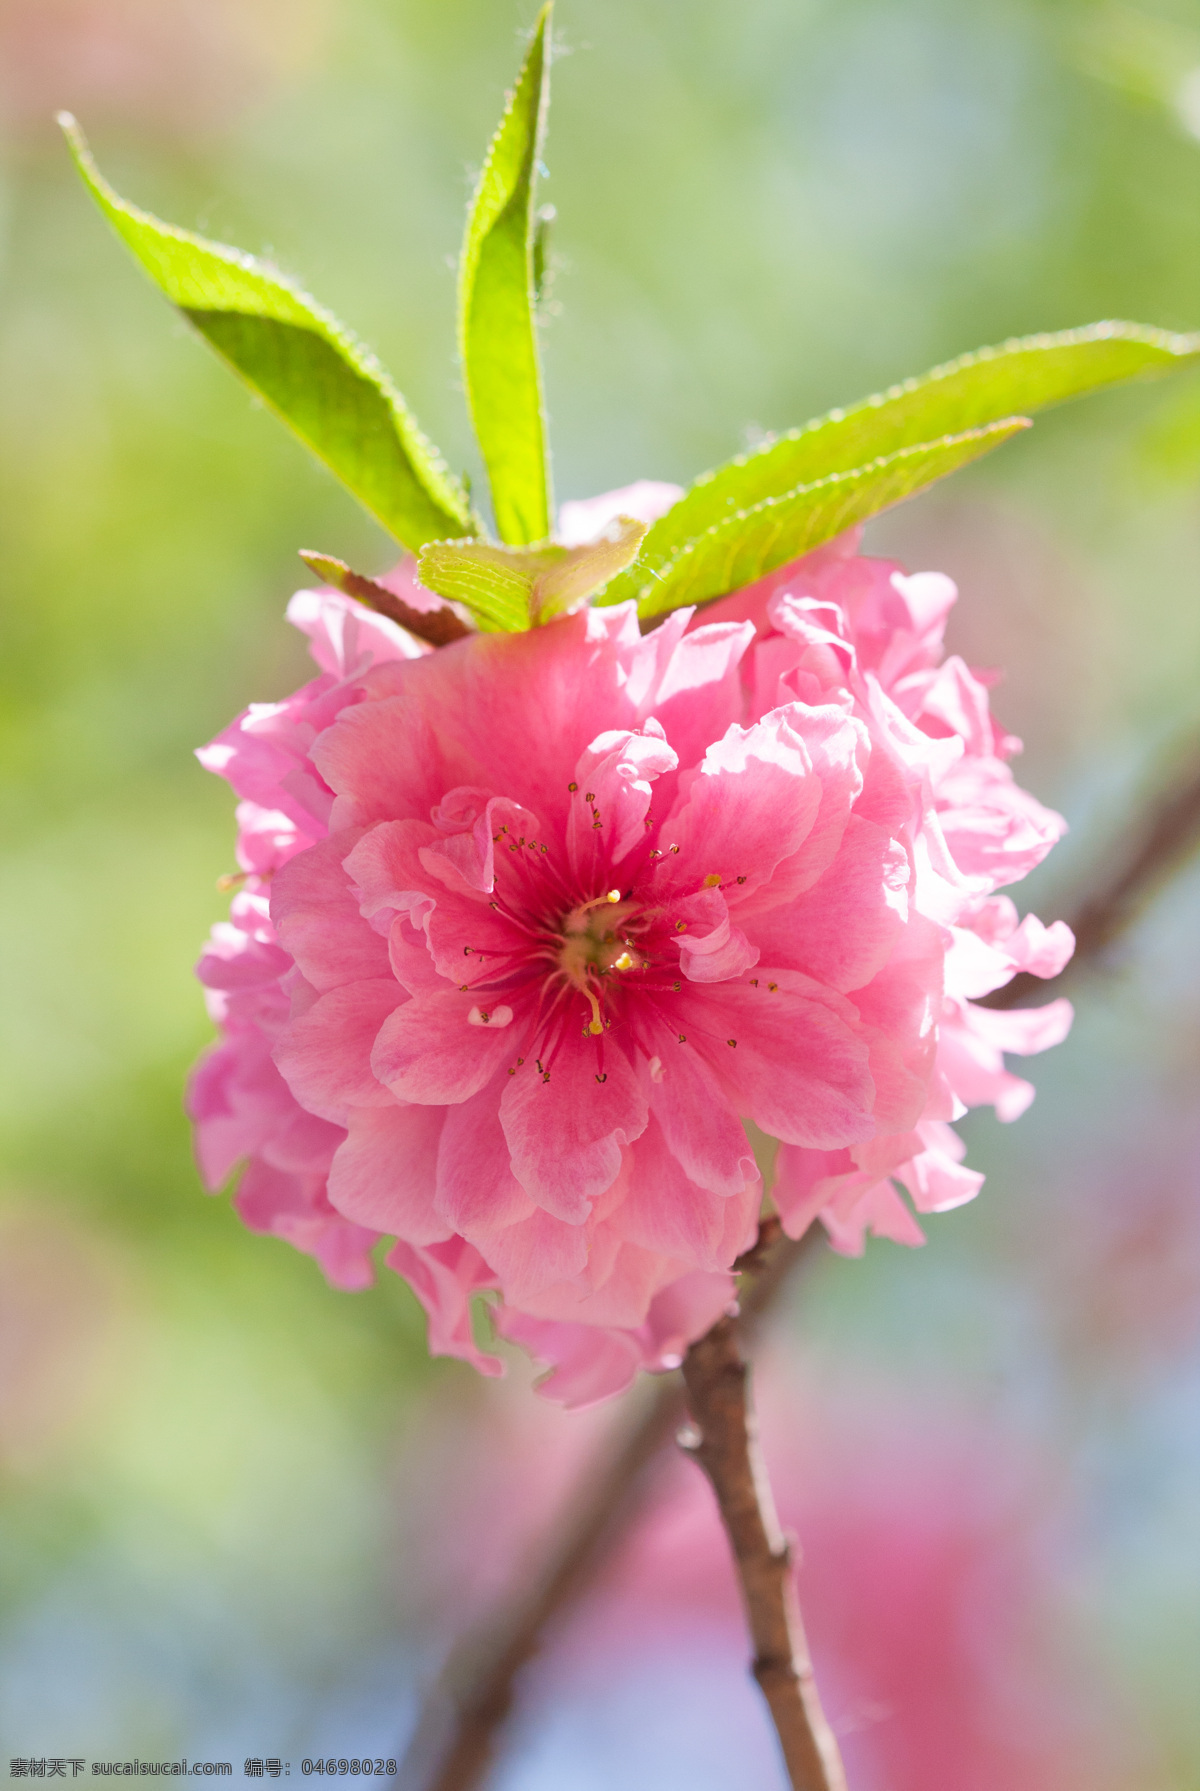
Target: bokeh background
(243, 1514)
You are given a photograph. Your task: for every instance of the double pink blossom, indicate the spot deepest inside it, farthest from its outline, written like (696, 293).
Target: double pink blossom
(533, 926)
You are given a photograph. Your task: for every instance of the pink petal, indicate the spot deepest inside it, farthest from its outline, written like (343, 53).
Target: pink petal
(666, 1212)
(752, 804)
(385, 1174)
(565, 1127)
(683, 1311)
(294, 1207)
(1026, 1030)
(345, 635)
(608, 810)
(429, 1051)
(697, 694)
(702, 1130)
(325, 1054)
(588, 1363)
(534, 1254)
(843, 929)
(233, 959)
(477, 1192)
(937, 1183)
(444, 1277)
(718, 954)
(385, 869)
(795, 1068)
(316, 913)
(581, 520)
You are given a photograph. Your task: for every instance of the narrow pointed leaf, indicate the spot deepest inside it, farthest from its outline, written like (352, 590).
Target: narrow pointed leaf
(513, 588)
(497, 304)
(1024, 375)
(326, 386)
(438, 626)
(754, 541)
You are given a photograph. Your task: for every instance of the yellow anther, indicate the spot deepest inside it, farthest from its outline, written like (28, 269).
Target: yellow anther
(713, 880)
(614, 895)
(625, 962)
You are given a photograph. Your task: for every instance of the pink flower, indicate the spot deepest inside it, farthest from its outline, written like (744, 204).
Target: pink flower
(837, 625)
(551, 915)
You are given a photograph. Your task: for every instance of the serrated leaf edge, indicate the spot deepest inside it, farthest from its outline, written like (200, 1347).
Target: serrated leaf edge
(1001, 429)
(1171, 342)
(473, 239)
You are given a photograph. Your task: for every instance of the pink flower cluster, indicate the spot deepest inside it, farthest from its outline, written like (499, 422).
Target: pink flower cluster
(534, 925)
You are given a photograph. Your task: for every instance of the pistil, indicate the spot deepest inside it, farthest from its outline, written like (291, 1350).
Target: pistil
(591, 945)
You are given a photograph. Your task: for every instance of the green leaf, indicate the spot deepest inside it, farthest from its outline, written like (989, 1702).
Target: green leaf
(493, 582)
(513, 588)
(978, 389)
(754, 541)
(300, 360)
(496, 307)
(438, 626)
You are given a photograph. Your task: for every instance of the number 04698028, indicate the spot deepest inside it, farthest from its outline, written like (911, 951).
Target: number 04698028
(341, 1768)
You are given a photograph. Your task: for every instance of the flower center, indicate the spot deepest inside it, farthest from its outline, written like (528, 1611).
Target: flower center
(593, 944)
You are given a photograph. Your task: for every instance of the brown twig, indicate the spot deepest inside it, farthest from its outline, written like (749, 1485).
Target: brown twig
(453, 1746)
(1147, 854)
(438, 626)
(723, 1440)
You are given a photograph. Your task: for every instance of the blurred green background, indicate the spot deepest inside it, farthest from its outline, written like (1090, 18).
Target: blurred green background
(218, 1478)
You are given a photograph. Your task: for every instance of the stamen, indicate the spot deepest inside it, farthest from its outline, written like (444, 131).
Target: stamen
(610, 895)
(713, 880)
